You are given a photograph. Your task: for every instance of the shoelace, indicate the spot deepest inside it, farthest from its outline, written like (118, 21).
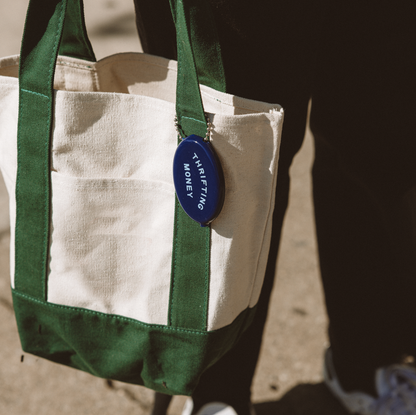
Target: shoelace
(397, 388)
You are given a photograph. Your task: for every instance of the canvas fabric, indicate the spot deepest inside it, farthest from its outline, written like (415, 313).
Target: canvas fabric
(108, 273)
(112, 187)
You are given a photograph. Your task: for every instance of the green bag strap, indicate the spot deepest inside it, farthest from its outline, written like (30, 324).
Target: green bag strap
(199, 55)
(75, 42)
(41, 38)
(199, 59)
(204, 43)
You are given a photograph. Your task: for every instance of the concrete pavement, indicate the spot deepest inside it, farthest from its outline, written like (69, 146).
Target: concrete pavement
(288, 380)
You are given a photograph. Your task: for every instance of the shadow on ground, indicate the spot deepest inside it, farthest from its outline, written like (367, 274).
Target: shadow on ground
(303, 399)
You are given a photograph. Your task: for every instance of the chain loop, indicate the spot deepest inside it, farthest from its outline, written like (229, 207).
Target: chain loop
(209, 128)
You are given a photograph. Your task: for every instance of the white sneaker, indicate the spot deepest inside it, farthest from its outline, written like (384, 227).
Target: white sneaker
(212, 408)
(395, 386)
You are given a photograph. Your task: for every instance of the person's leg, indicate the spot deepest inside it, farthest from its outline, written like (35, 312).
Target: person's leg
(267, 48)
(156, 28)
(364, 178)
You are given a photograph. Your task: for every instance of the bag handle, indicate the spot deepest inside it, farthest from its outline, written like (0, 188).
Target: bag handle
(54, 23)
(199, 56)
(75, 42)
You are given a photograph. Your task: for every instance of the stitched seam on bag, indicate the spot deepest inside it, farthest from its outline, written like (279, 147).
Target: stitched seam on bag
(207, 276)
(17, 227)
(35, 93)
(194, 119)
(96, 80)
(76, 65)
(269, 218)
(262, 242)
(47, 200)
(47, 203)
(171, 299)
(102, 64)
(206, 94)
(112, 316)
(62, 87)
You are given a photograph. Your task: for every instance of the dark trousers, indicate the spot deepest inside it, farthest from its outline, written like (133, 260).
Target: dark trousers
(356, 60)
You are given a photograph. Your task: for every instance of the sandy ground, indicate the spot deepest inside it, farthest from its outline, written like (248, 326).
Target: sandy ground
(288, 380)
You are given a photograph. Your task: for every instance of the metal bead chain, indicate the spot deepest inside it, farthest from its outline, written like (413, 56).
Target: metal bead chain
(209, 128)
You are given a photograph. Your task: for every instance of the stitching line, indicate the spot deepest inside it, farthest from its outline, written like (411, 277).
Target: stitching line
(207, 276)
(270, 210)
(173, 276)
(17, 225)
(109, 60)
(194, 119)
(35, 93)
(76, 65)
(46, 205)
(113, 316)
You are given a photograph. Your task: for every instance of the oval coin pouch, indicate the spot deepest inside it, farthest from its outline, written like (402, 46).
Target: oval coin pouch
(198, 179)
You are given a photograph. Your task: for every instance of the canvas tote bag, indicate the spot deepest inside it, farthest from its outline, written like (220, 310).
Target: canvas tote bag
(108, 273)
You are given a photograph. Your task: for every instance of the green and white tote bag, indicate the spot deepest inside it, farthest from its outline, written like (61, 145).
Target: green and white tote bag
(109, 275)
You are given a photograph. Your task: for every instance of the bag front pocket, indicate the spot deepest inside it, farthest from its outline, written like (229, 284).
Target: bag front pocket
(111, 246)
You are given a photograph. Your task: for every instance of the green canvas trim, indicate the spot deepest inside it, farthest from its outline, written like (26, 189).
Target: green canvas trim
(166, 359)
(189, 108)
(189, 291)
(205, 42)
(40, 44)
(36, 72)
(32, 195)
(75, 42)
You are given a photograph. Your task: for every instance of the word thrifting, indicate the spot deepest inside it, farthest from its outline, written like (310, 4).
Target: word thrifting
(203, 181)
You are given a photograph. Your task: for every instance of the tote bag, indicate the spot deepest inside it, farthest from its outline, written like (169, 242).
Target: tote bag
(108, 273)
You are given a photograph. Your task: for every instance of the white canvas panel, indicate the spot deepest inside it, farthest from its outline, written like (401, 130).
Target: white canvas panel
(248, 147)
(111, 247)
(9, 102)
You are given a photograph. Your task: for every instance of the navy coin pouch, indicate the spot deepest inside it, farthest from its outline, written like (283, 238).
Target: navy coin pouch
(198, 179)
